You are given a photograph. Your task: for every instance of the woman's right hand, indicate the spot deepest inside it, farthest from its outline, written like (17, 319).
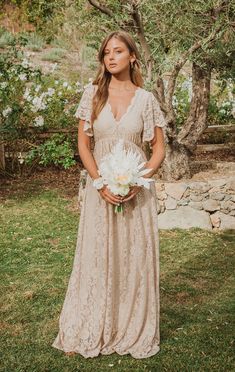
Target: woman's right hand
(108, 196)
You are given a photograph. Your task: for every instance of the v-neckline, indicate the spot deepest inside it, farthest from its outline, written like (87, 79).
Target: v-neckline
(128, 107)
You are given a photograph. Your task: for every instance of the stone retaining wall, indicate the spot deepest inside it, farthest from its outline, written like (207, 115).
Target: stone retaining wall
(208, 205)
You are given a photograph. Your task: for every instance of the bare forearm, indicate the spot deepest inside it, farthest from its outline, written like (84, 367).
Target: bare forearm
(88, 161)
(155, 161)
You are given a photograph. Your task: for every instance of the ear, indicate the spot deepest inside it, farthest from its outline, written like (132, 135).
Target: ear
(133, 57)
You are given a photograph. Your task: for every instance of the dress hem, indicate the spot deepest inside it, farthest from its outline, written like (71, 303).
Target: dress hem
(99, 351)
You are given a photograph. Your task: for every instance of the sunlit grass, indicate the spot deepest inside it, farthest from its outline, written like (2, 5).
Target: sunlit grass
(38, 238)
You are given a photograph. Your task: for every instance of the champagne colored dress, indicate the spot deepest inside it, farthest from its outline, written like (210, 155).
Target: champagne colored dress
(112, 300)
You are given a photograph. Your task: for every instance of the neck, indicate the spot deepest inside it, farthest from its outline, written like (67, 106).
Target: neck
(120, 82)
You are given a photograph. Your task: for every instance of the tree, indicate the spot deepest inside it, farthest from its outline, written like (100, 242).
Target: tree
(171, 33)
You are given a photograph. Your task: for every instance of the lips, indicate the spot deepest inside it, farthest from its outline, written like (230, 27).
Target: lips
(112, 65)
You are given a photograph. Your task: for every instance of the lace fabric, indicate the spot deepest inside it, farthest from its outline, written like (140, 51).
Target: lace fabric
(85, 108)
(112, 300)
(152, 116)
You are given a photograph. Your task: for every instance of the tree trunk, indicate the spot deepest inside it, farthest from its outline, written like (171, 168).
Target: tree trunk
(196, 122)
(2, 157)
(176, 164)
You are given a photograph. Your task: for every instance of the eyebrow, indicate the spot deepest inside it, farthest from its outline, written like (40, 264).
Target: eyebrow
(113, 48)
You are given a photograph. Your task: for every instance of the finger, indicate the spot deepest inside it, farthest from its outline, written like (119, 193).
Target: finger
(129, 198)
(111, 201)
(113, 197)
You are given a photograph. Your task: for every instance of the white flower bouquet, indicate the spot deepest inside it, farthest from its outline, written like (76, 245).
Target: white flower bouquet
(120, 169)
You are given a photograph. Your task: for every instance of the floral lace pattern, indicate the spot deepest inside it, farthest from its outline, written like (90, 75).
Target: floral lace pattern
(85, 108)
(152, 116)
(112, 300)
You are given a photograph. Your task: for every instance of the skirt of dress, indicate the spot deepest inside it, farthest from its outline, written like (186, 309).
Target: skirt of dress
(112, 299)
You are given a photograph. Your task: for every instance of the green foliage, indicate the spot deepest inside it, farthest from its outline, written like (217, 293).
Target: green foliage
(6, 38)
(58, 151)
(33, 41)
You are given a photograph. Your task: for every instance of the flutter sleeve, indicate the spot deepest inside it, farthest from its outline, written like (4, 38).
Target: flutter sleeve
(152, 117)
(84, 109)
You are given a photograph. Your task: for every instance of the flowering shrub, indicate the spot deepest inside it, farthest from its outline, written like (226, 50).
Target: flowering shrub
(31, 102)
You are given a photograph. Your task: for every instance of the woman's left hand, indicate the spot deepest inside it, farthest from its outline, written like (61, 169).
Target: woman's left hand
(133, 191)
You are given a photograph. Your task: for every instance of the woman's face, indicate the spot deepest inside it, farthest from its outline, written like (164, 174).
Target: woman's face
(117, 57)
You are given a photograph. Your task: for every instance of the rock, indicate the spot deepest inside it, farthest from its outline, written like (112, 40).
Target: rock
(170, 203)
(229, 197)
(215, 190)
(200, 186)
(217, 196)
(159, 186)
(225, 211)
(160, 206)
(231, 185)
(196, 198)
(186, 193)
(215, 220)
(232, 213)
(196, 205)
(184, 218)
(184, 201)
(161, 195)
(175, 190)
(211, 205)
(220, 182)
(229, 205)
(227, 221)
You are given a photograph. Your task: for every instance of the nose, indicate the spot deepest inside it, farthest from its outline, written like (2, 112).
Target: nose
(111, 55)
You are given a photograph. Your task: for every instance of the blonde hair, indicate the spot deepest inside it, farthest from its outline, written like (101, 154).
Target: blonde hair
(103, 76)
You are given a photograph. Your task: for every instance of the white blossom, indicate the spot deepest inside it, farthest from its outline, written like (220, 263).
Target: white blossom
(38, 87)
(25, 63)
(38, 121)
(20, 158)
(26, 93)
(50, 92)
(65, 84)
(38, 103)
(23, 77)
(7, 111)
(4, 84)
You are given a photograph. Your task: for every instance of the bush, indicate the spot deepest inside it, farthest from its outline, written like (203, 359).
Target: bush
(58, 151)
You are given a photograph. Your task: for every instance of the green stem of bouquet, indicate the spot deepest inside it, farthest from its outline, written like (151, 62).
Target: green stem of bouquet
(118, 208)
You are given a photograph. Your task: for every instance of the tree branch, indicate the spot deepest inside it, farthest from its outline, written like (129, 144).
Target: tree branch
(101, 8)
(183, 59)
(140, 32)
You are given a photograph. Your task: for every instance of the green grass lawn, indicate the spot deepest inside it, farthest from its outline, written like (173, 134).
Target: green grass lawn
(38, 238)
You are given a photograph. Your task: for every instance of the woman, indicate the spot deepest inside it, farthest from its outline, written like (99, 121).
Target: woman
(112, 300)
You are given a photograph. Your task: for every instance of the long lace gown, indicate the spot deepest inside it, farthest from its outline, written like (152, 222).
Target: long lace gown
(112, 300)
